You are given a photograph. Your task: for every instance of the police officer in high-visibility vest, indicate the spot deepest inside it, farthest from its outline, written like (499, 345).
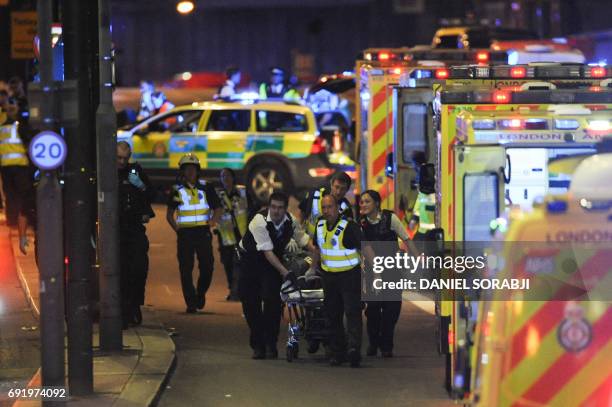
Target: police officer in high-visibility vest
(311, 205)
(14, 169)
(424, 210)
(381, 225)
(277, 88)
(337, 244)
(268, 237)
(232, 225)
(197, 207)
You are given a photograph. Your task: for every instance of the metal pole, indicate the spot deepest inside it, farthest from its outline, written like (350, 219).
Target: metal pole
(50, 226)
(108, 199)
(79, 194)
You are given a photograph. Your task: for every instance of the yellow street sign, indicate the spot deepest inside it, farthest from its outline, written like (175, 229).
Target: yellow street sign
(23, 31)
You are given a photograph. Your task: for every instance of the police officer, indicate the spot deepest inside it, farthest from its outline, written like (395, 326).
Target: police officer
(277, 87)
(311, 205)
(232, 225)
(14, 168)
(381, 226)
(337, 243)
(261, 274)
(197, 207)
(425, 205)
(135, 196)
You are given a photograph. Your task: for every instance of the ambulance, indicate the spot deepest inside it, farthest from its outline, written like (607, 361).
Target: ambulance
(377, 71)
(555, 349)
(490, 142)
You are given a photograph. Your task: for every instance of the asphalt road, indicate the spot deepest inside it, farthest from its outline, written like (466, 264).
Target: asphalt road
(214, 367)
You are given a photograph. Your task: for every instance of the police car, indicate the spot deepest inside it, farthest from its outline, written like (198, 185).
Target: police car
(270, 145)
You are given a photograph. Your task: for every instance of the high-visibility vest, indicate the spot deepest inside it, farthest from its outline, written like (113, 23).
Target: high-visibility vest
(193, 209)
(334, 256)
(316, 210)
(234, 216)
(12, 150)
(425, 209)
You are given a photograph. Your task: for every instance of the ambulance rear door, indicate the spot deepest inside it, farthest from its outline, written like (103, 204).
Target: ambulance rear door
(478, 191)
(413, 134)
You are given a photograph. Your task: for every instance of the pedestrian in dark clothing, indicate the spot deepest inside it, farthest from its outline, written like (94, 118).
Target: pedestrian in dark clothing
(135, 196)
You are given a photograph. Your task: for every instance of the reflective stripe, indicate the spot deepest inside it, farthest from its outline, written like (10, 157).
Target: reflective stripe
(337, 252)
(193, 218)
(341, 263)
(334, 256)
(10, 141)
(11, 156)
(190, 215)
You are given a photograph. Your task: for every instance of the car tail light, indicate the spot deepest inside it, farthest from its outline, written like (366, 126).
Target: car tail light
(397, 71)
(482, 56)
(318, 146)
(384, 56)
(442, 73)
(451, 338)
(501, 97)
(598, 72)
(320, 172)
(518, 72)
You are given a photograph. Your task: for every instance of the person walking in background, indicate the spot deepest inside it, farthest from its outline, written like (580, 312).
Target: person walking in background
(160, 103)
(197, 208)
(232, 226)
(146, 107)
(19, 98)
(381, 226)
(14, 168)
(228, 89)
(135, 196)
(277, 87)
(310, 206)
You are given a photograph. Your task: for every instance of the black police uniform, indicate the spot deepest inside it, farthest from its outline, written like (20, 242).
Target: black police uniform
(381, 315)
(134, 245)
(259, 284)
(343, 296)
(195, 240)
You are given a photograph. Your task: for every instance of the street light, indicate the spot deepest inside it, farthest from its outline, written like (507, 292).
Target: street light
(185, 7)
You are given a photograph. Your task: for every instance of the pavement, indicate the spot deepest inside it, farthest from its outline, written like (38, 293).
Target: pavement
(131, 378)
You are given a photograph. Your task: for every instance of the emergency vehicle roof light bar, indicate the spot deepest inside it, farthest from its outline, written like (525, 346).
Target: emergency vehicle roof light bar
(549, 96)
(531, 71)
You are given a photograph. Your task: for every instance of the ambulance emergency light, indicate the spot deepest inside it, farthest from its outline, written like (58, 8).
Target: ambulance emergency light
(531, 71)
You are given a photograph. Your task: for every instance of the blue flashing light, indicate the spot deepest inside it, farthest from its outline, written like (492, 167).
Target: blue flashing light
(459, 381)
(556, 207)
(513, 57)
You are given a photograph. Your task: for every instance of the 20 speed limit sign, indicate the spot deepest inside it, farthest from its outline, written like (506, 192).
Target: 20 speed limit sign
(48, 150)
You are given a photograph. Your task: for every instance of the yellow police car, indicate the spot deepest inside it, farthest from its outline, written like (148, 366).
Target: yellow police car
(270, 145)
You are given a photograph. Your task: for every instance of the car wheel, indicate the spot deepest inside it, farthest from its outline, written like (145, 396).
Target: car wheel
(265, 179)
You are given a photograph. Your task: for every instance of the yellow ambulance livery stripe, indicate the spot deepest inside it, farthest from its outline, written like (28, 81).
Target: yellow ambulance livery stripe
(592, 375)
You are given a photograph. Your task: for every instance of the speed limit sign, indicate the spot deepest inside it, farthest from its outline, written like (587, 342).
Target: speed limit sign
(48, 150)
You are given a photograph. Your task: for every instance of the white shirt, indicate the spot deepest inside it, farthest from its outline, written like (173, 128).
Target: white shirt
(258, 228)
(228, 90)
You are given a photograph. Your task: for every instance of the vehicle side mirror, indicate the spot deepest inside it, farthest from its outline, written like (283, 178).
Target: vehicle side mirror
(389, 166)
